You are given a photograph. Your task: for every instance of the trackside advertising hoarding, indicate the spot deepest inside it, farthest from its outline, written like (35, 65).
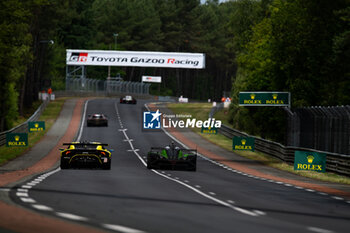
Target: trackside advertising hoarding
(133, 58)
(152, 79)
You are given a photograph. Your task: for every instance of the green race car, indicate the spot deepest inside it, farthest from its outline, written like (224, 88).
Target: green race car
(86, 154)
(172, 157)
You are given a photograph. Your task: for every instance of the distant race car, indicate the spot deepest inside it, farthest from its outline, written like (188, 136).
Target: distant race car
(128, 99)
(172, 157)
(86, 154)
(97, 120)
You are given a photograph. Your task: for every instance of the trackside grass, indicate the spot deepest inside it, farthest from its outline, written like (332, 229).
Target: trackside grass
(224, 142)
(49, 115)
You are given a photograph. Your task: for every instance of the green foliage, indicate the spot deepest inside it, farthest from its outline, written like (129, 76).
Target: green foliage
(299, 46)
(268, 45)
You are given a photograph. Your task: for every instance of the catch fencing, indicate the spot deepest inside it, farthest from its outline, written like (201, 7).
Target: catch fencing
(336, 162)
(106, 87)
(23, 128)
(320, 128)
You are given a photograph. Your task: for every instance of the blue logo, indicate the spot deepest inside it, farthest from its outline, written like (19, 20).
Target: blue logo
(151, 120)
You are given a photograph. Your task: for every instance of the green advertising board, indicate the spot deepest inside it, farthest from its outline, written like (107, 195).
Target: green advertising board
(36, 126)
(310, 161)
(16, 139)
(264, 99)
(209, 130)
(243, 143)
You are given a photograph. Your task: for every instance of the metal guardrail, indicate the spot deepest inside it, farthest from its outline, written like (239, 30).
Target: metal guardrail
(23, 128)
(338, 163)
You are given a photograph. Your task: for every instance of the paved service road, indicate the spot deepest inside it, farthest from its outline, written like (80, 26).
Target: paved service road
(131, 198)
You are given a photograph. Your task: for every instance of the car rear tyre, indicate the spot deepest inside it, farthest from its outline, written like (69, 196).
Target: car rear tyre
(64, 165)
(107, 166)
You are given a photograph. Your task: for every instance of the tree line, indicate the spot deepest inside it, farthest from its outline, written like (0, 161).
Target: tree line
(250, 45)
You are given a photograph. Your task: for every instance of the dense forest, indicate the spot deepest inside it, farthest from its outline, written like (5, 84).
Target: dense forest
(300, 46)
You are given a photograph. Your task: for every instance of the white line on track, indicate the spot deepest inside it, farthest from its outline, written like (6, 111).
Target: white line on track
(18, 194)
(319, 230)
(42, 207)
(121, 228)
(338, 198)
(27, 186)
(27, 200)
(71, 216)
(82, 122)
(259, 212)
(22, 190)
(310, 190)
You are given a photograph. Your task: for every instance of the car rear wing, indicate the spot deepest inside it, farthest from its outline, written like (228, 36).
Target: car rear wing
(182, 149)
(84, 144)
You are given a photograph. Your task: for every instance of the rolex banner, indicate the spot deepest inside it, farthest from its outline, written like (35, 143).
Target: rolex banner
(36, 126)
(311, 161)
(16, 139)
(243, 143)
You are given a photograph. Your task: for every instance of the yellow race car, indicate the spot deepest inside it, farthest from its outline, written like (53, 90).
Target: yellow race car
(86, 154)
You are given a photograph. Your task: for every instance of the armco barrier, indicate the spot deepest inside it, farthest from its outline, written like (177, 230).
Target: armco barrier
(338, 163)
(23, 128)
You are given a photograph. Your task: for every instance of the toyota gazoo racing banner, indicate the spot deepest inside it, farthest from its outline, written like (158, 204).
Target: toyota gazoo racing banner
(133, 58)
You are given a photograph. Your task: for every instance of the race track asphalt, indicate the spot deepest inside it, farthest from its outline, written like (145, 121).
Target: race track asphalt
(215, 198)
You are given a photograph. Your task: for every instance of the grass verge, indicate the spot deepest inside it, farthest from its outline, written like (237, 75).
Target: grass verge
(49, 115)
(201, 111)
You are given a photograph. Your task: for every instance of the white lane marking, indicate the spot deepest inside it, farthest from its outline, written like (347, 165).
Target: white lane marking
(310, 190)
(230, 201)
(21, 194)
(208, 196)
(259, 212)
(212, 193)
(324, 194)
(319, 230)
(22, 190)
(42, 207)
(298, 187)
(26, 186)
(337, 198)
(32, 183)
(39, 179)
(71, 216)
(27, 200)
(83, 121)
(133, 150)
(121, 228)
(288, 185)
(197, 186)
